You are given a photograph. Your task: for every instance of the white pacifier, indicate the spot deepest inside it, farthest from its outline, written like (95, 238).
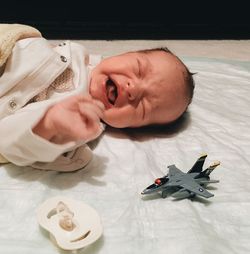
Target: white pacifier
(72, 224)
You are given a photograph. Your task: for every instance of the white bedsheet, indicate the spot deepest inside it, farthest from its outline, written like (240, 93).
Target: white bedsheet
(125, 162)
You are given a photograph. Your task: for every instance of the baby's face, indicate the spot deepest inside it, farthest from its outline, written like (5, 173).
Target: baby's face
(139, 88)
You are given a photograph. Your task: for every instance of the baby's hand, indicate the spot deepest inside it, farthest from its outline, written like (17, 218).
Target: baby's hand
(76, 118)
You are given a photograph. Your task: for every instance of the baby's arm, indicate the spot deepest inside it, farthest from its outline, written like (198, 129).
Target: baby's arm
(21, 146)
(76, 118)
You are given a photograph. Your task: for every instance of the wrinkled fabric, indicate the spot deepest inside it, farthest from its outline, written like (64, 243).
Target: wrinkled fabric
(127, 161)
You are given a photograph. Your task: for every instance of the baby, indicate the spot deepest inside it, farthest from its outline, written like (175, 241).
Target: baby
(60, 105)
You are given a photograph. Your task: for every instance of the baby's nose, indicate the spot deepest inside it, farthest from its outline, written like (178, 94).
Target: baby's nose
(133, 91)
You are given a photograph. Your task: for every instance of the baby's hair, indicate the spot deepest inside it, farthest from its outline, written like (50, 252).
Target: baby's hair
(188, 76)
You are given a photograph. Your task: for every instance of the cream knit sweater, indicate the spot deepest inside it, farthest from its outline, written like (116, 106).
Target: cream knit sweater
(9, 34)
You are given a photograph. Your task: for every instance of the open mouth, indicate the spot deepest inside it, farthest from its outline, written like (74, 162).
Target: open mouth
(111, 90)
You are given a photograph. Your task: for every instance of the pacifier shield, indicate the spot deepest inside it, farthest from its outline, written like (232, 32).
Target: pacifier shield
(72, 223)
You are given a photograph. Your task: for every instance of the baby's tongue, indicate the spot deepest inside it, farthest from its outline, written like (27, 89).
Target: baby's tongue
(111, 93)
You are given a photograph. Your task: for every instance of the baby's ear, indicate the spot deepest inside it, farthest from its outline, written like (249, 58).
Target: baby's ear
(53, 45)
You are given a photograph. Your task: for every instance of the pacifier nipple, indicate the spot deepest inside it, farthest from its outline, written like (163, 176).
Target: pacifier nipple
(65, 216)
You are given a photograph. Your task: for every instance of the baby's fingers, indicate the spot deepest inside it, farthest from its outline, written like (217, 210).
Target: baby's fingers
(83, 98)
(91, 117)
(99, 104)
(92, 110)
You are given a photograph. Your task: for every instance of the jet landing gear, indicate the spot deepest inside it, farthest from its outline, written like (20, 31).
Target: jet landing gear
(164, 194)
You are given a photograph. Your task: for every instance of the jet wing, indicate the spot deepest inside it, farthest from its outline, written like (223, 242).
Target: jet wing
(173, 170)
(187, 182)
(197, 189)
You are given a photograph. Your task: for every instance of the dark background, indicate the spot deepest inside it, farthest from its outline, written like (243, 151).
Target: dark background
(131, 19)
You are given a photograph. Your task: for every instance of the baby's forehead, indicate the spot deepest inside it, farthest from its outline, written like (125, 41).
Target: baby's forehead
(162, 64)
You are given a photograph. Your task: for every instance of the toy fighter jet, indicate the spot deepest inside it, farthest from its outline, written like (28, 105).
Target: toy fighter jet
(184, 185)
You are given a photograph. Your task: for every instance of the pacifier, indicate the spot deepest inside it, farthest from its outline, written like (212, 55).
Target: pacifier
(72, 224)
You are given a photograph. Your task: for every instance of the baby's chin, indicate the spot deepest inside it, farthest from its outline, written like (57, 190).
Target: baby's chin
(119, 123)
(94, 93)
(98, 94)
(113, 123)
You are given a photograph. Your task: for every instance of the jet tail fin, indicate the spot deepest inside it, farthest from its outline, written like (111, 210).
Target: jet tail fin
(197, 167)
(209, 170)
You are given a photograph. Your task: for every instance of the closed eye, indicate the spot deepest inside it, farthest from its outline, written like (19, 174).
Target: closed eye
(143, 110)
(139, 67)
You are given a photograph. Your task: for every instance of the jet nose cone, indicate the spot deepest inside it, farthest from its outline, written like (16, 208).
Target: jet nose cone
(147, 191)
